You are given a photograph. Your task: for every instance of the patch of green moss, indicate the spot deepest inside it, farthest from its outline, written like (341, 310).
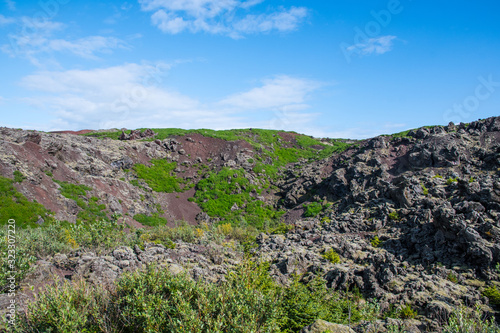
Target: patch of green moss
(226, 194)
(14, 205)
(91, 210)
(150, 220)
(160, 176)
(18, 176)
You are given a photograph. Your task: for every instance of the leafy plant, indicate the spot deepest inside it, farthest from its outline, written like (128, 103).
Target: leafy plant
(493, 294)
(451, 181)
(376, 242)
(452, 277)
(394, 216)
(332, 256)
(425, 190)
(312, 209)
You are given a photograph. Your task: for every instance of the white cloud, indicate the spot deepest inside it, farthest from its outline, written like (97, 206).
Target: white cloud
(281, 91)
(6, 20)
(86, 47)
(36, 40)
(379, 45)
(10, 4)
(226, 17)
(132, 96)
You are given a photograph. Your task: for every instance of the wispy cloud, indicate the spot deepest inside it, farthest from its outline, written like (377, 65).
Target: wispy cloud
(10, 4)
(278, 92)
(6, 20)
(36, 41)
(379, 45)
(132, 96)
(225, 17)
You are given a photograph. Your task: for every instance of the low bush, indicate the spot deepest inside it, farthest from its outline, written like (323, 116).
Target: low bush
(312, 209)
(332, 256)
(156, 301)
(493, 294)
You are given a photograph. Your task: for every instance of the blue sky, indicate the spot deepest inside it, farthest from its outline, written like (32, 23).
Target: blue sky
(343, 68)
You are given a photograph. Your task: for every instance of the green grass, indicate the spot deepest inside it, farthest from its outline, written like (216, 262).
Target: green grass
(153, 220)
(18, 177)
(14, 205)
(91, 209)
(220, 191)
(160, 176)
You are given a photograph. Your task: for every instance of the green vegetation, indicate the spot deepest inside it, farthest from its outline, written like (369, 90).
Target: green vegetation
(14, 205)
(452, 277)
(407, 312)
(438, 176)
(18, 177)
(282, 229)
(159, 176)
(425, 190)
(153, 220)
(91, 209)
(464, 321)
(312, 209)
(493, 294)
(157, 301)
(394, 216)
(376, 242)
(451, 181)
(226, 194)
(332, 256)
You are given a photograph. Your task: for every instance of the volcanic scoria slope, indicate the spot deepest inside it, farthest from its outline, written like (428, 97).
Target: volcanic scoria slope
(413, 217)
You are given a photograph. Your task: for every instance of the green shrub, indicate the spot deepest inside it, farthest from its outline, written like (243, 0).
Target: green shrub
(154, 300)
(464, 321)
(18, 177)
(406, 312)
(438, 176)
(493, 294)
(376, 242)
(282, 228)
(451, 181)
(312, 209)
(394, 216)
(452, 277)
(332, 256)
